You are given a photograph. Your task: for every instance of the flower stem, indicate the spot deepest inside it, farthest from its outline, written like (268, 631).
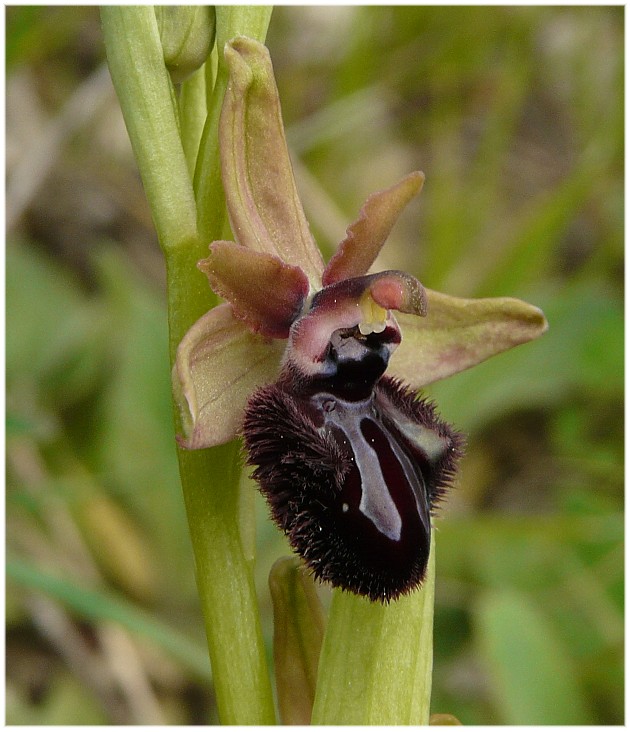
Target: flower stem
(376, 661)
(210, 481)
(226, 586)
(192, 111)
(147, 100)
(210, 478)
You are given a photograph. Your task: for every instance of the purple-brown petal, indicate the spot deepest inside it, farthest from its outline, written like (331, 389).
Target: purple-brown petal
(265, 292)
(219, 364)
(459, 333)
(366, 236)
(261, 195)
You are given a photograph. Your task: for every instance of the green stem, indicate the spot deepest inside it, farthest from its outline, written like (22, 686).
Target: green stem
(192, 112)
(376, 661)
(147, 100)
(226, 586)
(210, 478)
(211, 484)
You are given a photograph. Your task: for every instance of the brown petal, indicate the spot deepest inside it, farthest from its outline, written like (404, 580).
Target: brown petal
(459, 333)
(265, 292)
(219, 363)
(366, 236)
(261, 195)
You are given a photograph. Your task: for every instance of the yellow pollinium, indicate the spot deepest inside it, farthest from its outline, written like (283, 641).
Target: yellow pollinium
(373, 315)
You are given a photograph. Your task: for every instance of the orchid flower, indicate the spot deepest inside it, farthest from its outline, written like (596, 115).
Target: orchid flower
(318, 366)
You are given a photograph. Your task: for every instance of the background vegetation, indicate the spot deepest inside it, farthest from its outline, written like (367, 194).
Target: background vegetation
(516, 117)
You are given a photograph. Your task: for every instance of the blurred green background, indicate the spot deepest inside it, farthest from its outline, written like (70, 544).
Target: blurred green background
(515, 115)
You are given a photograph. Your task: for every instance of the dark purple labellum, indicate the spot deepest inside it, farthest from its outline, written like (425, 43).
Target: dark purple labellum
(352, 464)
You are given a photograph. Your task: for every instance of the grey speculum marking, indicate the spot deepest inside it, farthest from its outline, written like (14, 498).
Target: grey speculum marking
(355, 420)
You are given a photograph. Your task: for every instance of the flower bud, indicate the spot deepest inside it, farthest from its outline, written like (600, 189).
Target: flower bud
(187, 35)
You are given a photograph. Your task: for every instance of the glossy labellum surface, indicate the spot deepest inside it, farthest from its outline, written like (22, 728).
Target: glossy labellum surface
(352, 464)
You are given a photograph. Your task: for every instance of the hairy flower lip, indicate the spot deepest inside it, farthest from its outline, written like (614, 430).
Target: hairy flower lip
(353, 483)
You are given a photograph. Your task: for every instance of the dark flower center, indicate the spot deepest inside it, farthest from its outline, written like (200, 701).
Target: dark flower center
(354, 362)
